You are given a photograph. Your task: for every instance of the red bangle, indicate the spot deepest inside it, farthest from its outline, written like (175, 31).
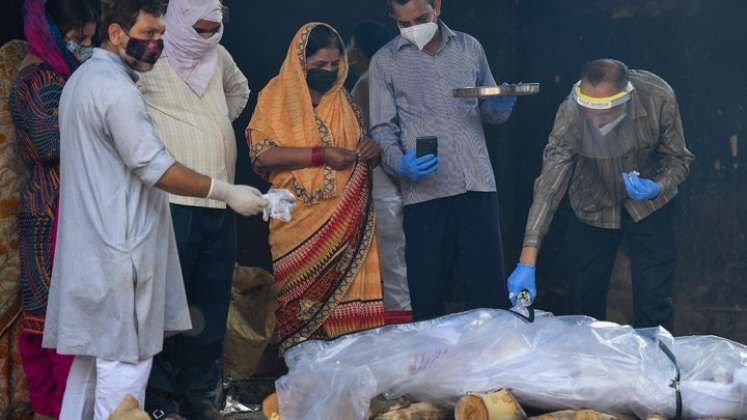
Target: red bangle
(317, 156)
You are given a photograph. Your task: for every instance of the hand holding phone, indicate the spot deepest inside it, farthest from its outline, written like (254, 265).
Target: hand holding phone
(416, 168)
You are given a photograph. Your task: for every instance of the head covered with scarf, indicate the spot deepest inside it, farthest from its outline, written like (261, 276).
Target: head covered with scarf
(325, 260)
(45, 39)
(286, 116)
(192, 57)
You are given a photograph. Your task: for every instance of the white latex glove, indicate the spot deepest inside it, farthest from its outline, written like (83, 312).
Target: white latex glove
(243, 199)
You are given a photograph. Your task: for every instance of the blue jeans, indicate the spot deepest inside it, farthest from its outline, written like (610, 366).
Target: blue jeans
(186, 373)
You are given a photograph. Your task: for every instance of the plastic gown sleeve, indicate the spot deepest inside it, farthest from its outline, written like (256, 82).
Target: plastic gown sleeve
(389, 221)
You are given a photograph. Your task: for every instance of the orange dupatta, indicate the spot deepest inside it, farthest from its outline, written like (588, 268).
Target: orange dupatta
(326, 259)
(285, 117)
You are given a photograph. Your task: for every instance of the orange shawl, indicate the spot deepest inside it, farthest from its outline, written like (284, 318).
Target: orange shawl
(285, 117)
(326, 260)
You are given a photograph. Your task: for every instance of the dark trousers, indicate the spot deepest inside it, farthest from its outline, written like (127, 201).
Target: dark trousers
(186, 373)
(651, 246)
(450, 238)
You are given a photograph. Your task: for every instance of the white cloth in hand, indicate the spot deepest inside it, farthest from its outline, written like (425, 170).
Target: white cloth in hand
(281, 206)
(243, 199)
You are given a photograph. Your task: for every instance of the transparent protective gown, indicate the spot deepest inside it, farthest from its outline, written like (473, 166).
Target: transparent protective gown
(554, 363)
(389, 220)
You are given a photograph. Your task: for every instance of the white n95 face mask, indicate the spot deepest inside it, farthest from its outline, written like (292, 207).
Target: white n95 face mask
(420, 35)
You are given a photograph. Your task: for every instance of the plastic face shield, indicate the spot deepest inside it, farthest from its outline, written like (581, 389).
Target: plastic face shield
(605, 131)
(609, 102)
(606, 136)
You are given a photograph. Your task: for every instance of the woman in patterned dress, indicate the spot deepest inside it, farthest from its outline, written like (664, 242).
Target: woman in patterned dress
(59, 34)
(307, 136)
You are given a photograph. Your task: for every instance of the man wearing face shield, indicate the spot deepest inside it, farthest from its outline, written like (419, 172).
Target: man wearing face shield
(117, 287)
(194, 93)
(450, 201)
(618, 149)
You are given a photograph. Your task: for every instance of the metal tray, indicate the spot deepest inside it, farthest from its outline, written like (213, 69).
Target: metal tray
(519, 89)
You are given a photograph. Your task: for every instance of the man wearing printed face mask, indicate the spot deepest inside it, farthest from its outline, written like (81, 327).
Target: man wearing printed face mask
(117, 287)
(618, 147)
(451, 206)
(194, 92)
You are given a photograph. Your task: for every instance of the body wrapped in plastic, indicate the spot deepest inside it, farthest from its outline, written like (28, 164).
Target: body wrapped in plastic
(553, 363)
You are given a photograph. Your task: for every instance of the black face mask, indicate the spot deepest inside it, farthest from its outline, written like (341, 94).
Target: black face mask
(321, 80)
(145, 50)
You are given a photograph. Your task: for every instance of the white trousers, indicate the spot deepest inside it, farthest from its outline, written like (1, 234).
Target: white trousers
(96, 387)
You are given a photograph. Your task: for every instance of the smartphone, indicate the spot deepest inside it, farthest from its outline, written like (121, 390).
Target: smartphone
(426, 146)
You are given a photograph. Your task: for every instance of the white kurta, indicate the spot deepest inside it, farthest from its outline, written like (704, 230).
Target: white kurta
(117, 286)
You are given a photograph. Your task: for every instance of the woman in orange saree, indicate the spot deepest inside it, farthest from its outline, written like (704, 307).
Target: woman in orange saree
(307, 136)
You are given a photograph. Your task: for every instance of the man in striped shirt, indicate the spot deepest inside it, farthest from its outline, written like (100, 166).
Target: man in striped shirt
(451, 205)
(618, 149)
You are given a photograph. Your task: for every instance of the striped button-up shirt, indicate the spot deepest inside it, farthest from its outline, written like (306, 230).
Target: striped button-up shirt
(412, 96)
(197, 130)
(659, 153)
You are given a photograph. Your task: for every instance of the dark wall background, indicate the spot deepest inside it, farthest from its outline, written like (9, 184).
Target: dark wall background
(698, 46)
(11, 20)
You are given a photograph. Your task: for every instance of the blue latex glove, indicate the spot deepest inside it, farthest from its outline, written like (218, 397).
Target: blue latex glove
(502, 103)
(416, 168)
(523, 278)
(640, 189)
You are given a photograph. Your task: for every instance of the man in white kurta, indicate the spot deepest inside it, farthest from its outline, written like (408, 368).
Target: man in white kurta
(117, 286)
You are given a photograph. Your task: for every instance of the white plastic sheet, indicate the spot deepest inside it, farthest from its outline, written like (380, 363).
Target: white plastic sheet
(553, 363)
(714, 377)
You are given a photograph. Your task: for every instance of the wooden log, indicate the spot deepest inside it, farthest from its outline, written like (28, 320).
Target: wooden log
(419, 411)
(500, 405)
(381, 405)
(558, 415)
(271, 407)
(577, 415)
(129, 409)
(593, 415)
